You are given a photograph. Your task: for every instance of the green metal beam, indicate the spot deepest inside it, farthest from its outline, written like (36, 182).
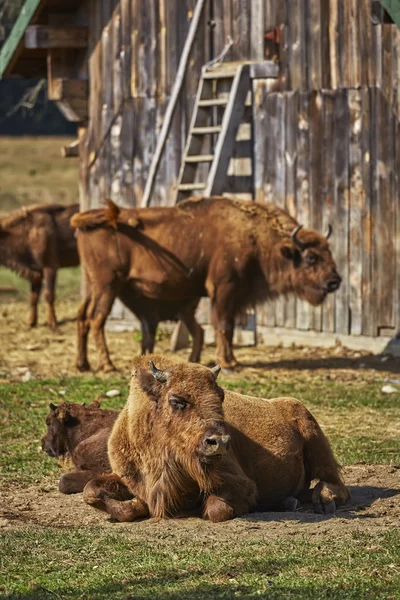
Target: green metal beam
(17, 32)
(393, 8)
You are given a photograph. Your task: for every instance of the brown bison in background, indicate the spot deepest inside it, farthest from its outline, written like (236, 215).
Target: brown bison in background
(35, 241)
(238, 253)
(179, 447)
(80, 432)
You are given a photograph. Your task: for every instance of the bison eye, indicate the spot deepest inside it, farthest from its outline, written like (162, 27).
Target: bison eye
(177, 403)
(311, 259)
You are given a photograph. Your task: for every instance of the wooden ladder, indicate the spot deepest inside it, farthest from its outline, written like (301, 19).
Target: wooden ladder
(217, 113)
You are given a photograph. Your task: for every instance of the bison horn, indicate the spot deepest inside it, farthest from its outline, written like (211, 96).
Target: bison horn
(330, 230)
(296, 240)
(161, 376)
(215, 371)
(52, 406)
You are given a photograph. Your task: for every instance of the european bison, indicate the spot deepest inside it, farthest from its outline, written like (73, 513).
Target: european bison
(239, 253)
(178, 446)
(81, 432)
(35, 241)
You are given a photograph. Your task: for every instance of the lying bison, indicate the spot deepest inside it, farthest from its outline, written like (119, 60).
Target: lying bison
(35, 241)
(81, 432)
(179, 447)
(238, 253)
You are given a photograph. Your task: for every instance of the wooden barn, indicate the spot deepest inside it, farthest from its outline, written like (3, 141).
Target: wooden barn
(296, 102)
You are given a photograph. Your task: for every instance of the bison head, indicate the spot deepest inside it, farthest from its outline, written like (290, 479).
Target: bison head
(312, 271)
(54, 443)
(188, 422)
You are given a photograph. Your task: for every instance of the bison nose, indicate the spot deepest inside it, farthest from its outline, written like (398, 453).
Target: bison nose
(334, 283)
(216, 444)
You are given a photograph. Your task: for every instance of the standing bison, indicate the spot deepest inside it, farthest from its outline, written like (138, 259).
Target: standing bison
(35, 242)
(184, 445)
(238, 253)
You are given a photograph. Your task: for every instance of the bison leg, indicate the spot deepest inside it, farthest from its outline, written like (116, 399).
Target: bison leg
(36, 288)
(195, 330)
(83, 327)
(74, 483)
(110, 494)
(235, 497)
(102, 309)
(223, 320)
(49, 294)
(149, 328)
(320, 464)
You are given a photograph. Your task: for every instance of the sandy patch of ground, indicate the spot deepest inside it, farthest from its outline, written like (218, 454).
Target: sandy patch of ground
(374, 507)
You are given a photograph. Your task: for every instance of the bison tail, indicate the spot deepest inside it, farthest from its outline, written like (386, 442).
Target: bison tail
(93, 219)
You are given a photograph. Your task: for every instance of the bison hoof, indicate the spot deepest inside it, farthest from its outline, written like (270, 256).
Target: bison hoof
(325, 508)
(83, 366)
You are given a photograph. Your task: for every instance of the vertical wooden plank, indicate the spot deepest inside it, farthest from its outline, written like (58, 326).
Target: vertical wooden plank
(126, 154)
(298, 66)
(396, 201)
(368, 326)
(314, 46)
(126, 28)
(375, 53)
(325, 47)
(365, 40)
(290, 182)
(357, 201)
(384, 233)
(315, 171)
(260, 133)
(257, 30)
(327, 193)
(279, 193)
(353, 56)
(341, 202)
(387, 65)
(303, 310)
(336, 41)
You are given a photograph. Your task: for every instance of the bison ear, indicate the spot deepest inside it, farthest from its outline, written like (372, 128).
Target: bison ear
(52, 407)
(148, 384)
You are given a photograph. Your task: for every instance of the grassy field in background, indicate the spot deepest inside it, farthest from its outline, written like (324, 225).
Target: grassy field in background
(32, 171)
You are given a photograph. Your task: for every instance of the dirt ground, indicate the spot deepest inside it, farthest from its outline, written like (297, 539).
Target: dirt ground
(374, 507)
(375, 504)
(48, 354)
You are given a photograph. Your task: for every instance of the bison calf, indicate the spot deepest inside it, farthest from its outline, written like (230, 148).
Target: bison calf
(183, 444)
(35, 241)
(81, 432)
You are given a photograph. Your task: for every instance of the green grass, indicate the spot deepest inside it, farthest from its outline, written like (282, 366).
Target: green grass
(68, 284)
(93, 564)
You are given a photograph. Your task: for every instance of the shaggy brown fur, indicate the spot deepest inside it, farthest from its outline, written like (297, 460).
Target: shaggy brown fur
(238, 253)
(80, 432)
(35, 241)
(178, 446)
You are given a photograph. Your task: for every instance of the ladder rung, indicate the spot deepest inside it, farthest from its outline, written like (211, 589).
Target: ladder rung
(219, 75)
(205, 130)
(197, 158)
(188, 187)
(213, 102)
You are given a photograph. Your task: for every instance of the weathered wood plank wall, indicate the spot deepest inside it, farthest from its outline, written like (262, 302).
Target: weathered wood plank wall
(326, 133)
